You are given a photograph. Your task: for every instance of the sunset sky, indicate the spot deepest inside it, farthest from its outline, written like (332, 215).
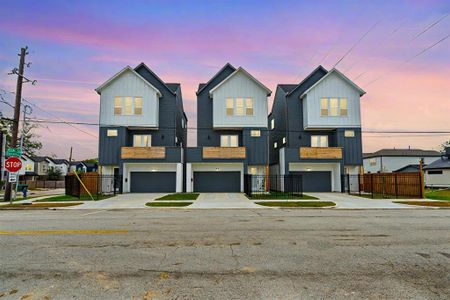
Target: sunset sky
(74, 46)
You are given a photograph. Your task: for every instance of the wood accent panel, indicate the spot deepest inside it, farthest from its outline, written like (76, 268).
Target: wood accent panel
(143, 152)
(321, 152)
(224, 152)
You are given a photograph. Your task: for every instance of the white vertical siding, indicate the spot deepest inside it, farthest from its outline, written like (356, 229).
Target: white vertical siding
(438, 180)
(332, 86)
(128, 84)
(240, 85)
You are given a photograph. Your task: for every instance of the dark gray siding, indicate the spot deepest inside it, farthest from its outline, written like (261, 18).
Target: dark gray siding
(279, 114)
(352, 146)
(109, 147)
(256, 147)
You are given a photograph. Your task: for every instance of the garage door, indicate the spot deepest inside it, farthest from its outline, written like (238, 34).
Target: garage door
(315, 181)
(217, 182)
(152, 182)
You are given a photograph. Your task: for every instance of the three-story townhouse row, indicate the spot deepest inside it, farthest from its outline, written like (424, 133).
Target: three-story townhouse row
(232, 136)
(315, 130)
(143, 131)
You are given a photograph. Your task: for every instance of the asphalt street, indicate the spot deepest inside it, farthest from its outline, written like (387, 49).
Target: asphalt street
(225, 254)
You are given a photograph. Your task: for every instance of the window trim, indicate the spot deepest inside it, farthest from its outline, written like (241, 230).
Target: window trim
(118, 105)
(319, 140)
(112, 133)
(149, 140)
(228, 138)
(327, 112)
(246, 105)
(133, 107)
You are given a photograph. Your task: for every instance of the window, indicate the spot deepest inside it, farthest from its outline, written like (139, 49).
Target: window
(275, 145)
(435, 172)
(284, 140)
(138, 105)
(334, 106)
(272, 124)
(239, 106)
(183, 123)
(142, 140)
(249, 107)
(229, 141)
(349, 133)
(111, 132)
(117, 105)
(29, 167)
(324, 107)
(319, 141)
(253, 170)
(230, 106)
(255, 133)
(343, 106)
(373, 162)
(128, 106)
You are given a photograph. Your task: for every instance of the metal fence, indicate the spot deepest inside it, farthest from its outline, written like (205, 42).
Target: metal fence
(273, 186)
(95, 183)
(385, 185)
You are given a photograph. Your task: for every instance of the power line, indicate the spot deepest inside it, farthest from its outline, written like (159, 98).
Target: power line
(356, 43)
(430, 26)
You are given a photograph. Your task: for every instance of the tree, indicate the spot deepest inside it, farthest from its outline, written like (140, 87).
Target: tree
(445, 145)
(54, 173)
(31, 144)
(91, 160)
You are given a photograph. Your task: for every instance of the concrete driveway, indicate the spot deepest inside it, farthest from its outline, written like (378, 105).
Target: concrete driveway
(223, 200)
(354, 202)
(121, 201)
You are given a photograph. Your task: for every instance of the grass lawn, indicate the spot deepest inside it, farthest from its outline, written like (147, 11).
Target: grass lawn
(167, 204)
(278, 196)
(438, 194)
(426, 203)
(37, 205)
(180, 196)
(63, 198)
(297, 203)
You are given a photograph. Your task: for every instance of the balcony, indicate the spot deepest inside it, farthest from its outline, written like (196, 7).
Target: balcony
(320, 153)
(224, 152)
(143, 152)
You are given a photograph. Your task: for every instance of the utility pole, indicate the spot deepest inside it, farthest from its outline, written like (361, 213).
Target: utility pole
(15, 130)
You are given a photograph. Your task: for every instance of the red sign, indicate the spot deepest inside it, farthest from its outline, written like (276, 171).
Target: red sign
(13, 164)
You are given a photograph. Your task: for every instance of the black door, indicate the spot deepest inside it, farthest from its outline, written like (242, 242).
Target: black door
(153, 182)
(315, 181)
(216, 182)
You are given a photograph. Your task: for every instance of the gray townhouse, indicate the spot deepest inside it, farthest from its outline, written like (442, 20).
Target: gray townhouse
(315, 130)
(232, 136)
(143, 131)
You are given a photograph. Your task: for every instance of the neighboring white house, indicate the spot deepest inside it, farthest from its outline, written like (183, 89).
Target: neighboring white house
(61, 164)
(28, 165)
(437, 174)
(390, 160)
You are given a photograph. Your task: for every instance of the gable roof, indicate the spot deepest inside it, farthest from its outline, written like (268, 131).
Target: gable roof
(441, 163)
(403, 152)
(287, 88)
(142, 64)
(59, 161)
(319, 68)
(241, 69)
(415, 167)
(202, 86)
(39, 158)
(335, 71)
(173, 86)
(117, 75)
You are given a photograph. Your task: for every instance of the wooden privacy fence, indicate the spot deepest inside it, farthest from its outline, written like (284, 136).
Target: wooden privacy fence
(392, 184)
(45, 184)
(97, 184)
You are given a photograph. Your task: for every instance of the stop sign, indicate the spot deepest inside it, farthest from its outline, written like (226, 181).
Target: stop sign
(13, 164)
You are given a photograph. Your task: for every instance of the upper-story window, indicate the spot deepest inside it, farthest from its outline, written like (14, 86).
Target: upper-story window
(183, 123)
(142, 140)
(239, 106)
(319, 141)
(349, 133)
(333, 106)
(373, 161)
(272, 124)
(111, 132)
(29, 167)
(128, 106)
(229, 141)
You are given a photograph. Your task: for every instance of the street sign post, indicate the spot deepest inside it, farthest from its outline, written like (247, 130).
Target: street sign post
(14, 152)
(13, 164)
